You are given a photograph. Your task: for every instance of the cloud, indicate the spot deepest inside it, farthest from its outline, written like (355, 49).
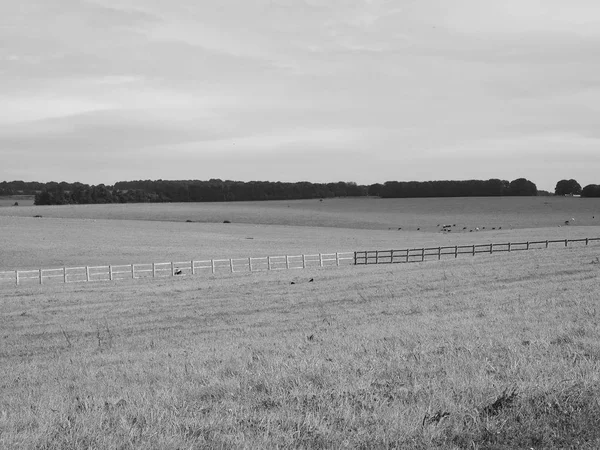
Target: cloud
(264, 82)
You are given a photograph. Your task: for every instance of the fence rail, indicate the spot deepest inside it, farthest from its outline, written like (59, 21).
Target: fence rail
(85, 274)
(432, 253)
(181, 268)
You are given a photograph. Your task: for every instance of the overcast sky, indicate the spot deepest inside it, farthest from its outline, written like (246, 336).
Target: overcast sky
(99, 91)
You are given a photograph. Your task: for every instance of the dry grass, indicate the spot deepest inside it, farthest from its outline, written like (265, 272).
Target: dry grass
(22, 200)
(490, 352)
(31, 243)
(361, 213)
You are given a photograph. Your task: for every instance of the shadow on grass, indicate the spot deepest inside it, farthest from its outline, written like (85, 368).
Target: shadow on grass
(568, 418)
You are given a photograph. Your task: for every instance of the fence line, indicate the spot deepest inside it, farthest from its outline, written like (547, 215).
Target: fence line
(428, 253)
(84, 274)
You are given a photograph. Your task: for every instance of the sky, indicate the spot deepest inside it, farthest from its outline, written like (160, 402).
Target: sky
(99, 91)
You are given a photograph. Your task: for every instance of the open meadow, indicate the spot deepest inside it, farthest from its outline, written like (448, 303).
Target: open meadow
(20, 200)
(494, 351)
(143, 233)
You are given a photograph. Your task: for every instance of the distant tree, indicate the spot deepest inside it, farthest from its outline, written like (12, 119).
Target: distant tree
(523, 187)
(591, 190)
(375, 190)
(43, 198)
(567, 187)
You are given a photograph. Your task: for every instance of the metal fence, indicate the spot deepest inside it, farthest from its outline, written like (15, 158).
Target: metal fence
(181, 268)
(436, 253)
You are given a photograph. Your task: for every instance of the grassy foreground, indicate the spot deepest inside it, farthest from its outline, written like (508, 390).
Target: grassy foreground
(487, 352)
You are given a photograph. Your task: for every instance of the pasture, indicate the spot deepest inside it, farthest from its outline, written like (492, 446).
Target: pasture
(493, 351)
(22, 200)
(142, 233)
(355, 213)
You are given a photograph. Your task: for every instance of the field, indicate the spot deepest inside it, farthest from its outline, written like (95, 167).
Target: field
(493, 351)
(22, 200)
(143, 233)
(354, 213)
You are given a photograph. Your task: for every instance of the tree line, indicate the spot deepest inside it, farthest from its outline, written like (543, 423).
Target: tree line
(572, 187)
(216, 190)
(469, 188)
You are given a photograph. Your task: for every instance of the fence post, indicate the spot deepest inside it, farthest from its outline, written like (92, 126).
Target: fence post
(17, 277)
(321, 259)
(355, 258)
(456, 251)
(231, 265)
(153, 270)
(304, 260)
(376, 256)
(546, 243)
(193, 268)
(133, 271)
(509, 247)
(87, 273)
(527, 245)
(110, 274)
(172, 269)
(212, 265)
(439, 253)
(423, 254)
(337, 258)
(566, 242)
(268, 263)
(64, 274)
(287, 262)
(41, 276)
(491, 248)
(586, 241)
(407, 254)
(473, 249)
(250, 264)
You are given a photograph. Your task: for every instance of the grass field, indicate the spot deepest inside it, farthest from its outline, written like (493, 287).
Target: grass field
(143, 233)
(494, 351)
(489, 352)
(361, 213)
(22, 200)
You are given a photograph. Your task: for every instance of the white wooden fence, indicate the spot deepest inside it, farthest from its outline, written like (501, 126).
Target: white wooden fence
(167, 269)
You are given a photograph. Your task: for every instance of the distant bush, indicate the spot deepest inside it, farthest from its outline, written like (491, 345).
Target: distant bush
(591, 190)
(567, 187)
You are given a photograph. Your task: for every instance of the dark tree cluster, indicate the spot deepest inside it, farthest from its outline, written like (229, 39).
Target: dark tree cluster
(468, 188)
(21, 187)
(567, 187)
(216, 190)
(148, 191)
(591, 190)
(82, 194)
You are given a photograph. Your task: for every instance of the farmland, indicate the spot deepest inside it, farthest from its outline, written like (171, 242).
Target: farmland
(493, 351)
(22, 200)
(355, 213)
(142, 233)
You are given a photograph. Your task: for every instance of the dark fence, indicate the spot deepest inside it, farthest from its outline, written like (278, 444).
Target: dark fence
(436, 253)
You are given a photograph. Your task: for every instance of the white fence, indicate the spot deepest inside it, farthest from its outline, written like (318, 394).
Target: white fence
(167, 269)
